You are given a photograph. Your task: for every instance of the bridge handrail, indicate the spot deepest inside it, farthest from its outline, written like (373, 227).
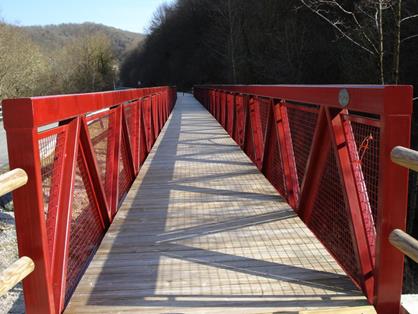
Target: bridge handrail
(81, 154)
(326, 150)
(21, 268)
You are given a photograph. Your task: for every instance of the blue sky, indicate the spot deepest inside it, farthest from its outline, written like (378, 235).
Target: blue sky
(131, 15)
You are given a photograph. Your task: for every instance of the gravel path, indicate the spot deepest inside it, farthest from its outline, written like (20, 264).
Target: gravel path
(12, 302)
(3, 146)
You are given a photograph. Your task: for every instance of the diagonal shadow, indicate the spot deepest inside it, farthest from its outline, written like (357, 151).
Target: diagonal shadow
(126, 270)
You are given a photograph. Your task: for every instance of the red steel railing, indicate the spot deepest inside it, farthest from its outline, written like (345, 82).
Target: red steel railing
(326, 149)
(79, 169)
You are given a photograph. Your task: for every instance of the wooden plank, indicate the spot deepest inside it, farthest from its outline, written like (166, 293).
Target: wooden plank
(346, 310)
(12, 180)
(405, 157)
(404, 243)
(15, 273)
(202, 231)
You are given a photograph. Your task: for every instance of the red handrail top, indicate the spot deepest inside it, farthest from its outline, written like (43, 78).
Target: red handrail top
(375, 99)
(37, 111)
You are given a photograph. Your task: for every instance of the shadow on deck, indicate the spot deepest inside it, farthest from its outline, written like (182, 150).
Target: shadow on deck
(202, 231)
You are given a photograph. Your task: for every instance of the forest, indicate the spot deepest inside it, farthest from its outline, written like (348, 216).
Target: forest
(278, 42)
(59, 59)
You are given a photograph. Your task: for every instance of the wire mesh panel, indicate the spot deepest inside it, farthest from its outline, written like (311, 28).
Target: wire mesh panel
(155, 107)
(125, 178)
(131, 113)
(230, 114)
(367, 139)
(369, 170)
(102, 136)
(223, 112)
(86, 228)
(263, 107)
(51, 153)
(302, 122)
(148, 125)
(249, 148)
(239, 120)
(330, 221)
(273, 164)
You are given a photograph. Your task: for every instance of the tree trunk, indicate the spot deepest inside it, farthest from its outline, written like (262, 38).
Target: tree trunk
(397, 41)
(232, 44)
(381, 43)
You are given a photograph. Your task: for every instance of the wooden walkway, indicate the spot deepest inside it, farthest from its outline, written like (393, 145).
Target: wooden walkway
(202, 231)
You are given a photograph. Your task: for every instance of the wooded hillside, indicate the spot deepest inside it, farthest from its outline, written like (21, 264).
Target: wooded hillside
(57, 59)
(52, 37)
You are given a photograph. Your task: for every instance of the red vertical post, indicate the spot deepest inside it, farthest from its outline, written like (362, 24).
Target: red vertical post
(28, 206)
(63, 228)
(353, 203)
(287, 154)
(257, 131)
(143, 151)
(129, 163)
(117, 133)
(393, 198)
(91, 164)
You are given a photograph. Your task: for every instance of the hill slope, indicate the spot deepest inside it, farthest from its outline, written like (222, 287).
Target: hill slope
(52, 37)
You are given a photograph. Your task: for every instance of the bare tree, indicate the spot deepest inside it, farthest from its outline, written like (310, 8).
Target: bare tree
(373, 26)
(21, 63)
(225, 32)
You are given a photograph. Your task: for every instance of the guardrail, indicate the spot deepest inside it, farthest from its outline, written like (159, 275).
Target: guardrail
(326, 150)
(79, 169)
(20, 269)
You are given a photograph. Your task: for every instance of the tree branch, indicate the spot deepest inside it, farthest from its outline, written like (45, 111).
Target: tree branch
(409, 37)
(335, 25)
(409, 18)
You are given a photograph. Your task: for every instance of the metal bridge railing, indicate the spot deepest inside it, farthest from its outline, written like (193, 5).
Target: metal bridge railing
(79, 169)
(326, 149)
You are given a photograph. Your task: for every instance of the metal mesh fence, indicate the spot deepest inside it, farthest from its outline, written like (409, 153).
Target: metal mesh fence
(124, 176)
(249, 141)
(86, 227)
(367, 139)
(51, 154)
(273, 166)
(102, 137)
(230, 115)
(302, 127)
(263, 107)
(240, 120)
(330, 220)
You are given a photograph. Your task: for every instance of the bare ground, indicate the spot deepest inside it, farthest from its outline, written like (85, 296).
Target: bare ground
(12, 302)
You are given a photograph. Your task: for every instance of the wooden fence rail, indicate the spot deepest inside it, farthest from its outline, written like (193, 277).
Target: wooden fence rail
(407, 158)
(20, 269)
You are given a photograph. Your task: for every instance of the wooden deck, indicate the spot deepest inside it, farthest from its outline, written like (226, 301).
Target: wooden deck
(202, 231)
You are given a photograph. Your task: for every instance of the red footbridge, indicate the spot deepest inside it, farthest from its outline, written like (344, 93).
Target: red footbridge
(233, 199)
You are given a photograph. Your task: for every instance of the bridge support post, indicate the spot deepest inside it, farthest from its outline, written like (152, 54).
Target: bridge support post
(393, 200)
(28, 206)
